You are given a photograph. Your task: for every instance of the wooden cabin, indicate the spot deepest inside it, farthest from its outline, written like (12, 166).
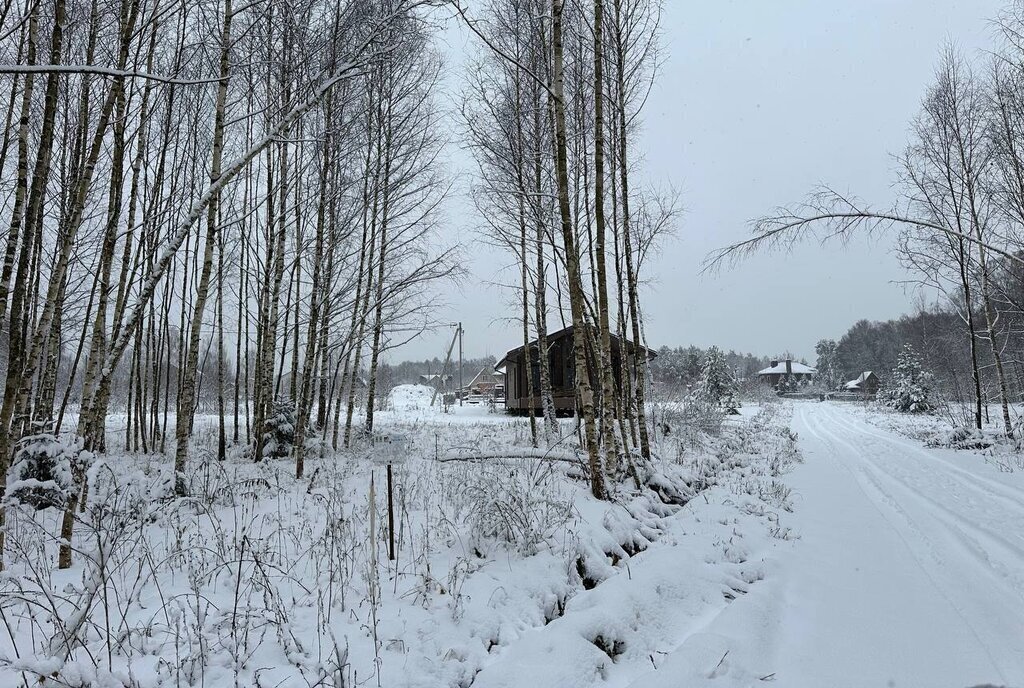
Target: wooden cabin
(563, 373)
(867, 384)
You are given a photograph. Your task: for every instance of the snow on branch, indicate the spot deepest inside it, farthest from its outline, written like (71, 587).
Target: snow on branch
(101, 71)
(513, 453)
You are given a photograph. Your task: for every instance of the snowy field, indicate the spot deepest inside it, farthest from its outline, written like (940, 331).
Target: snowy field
(802, 547)
(507, 572)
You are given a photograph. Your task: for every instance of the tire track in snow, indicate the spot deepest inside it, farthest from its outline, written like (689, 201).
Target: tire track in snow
(957, 520)
(991, 488)
(873, 483)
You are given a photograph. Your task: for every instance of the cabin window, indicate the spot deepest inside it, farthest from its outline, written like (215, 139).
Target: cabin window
(557, 367)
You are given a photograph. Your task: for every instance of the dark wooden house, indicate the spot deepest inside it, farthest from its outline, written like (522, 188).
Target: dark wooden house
(563, 372)
(867, 384)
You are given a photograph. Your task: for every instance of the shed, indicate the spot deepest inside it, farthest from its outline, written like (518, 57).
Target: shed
(868, 384)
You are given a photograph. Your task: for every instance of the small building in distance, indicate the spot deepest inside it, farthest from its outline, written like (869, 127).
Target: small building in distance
(786, 370)
(867, 384)
(436, 380)
(487, 383)
(563, 372)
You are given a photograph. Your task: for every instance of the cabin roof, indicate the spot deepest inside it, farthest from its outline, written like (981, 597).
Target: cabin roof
(864, 377)
(564, 333)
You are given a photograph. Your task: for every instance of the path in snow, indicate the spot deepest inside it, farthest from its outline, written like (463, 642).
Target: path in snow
(910, 571)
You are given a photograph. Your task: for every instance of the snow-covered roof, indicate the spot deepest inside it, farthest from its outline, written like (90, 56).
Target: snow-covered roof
(487, 376)
(780, 369)
(855, 384)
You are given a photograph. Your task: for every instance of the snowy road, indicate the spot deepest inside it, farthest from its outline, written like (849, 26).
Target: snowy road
(910, 571)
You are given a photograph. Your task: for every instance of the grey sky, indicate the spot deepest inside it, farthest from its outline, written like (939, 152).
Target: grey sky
(758, 102)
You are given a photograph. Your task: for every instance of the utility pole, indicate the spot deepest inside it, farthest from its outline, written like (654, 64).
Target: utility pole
(462, 390)
(444, 369)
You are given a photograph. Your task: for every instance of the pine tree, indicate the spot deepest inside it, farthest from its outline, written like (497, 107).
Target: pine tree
(828, 364)
(911, 387)
(43, 470)
(717, 385)
(279, 437)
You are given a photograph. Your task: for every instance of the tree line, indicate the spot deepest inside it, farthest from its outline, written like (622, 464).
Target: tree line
(958, 220)
(678, 369)
(239, 204)
(936, 334)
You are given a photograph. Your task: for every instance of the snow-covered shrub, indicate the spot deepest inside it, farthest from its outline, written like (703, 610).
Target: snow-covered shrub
(787, 384)
(518, 504)
(279, 436)
(42, 472)
(700, 415)
(911, 388)
(717, 386)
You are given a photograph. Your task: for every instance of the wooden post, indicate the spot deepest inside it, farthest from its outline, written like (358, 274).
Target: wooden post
(391, 516)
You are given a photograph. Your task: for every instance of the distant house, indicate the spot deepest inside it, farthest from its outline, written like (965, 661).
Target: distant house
(488, 382)
(563, 372)
(786, 370)
(435, 380)
(867, 384)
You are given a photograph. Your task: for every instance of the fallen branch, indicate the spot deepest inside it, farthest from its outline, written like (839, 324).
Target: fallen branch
(537, 454)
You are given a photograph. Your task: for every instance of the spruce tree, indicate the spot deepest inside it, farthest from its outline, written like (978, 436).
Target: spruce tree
(911, 388)
(717, 385)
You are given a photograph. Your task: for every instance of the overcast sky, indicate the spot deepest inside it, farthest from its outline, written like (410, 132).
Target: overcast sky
(758, 102)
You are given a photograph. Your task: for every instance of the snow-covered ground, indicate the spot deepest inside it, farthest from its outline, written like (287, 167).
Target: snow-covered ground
(874, 561)
(507, 571)
(908, 571)
(911, 565)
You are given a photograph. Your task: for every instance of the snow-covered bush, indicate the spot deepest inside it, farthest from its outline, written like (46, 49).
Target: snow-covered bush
(41, 474)
(518, 504)
(787, 384)
(687, 423)
(717, 386)
(911, 388)
(280, 433)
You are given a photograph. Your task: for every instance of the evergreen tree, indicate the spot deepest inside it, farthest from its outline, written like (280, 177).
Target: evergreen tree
(829, 374)
(911, 387)
(280, 430)
(717, 384)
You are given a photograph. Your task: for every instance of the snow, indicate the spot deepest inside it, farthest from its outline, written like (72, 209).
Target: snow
(861, 379)
(911, 565)
(815, 549)
(780, 369)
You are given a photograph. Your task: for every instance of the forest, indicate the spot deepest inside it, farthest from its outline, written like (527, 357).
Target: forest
(237, 209)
